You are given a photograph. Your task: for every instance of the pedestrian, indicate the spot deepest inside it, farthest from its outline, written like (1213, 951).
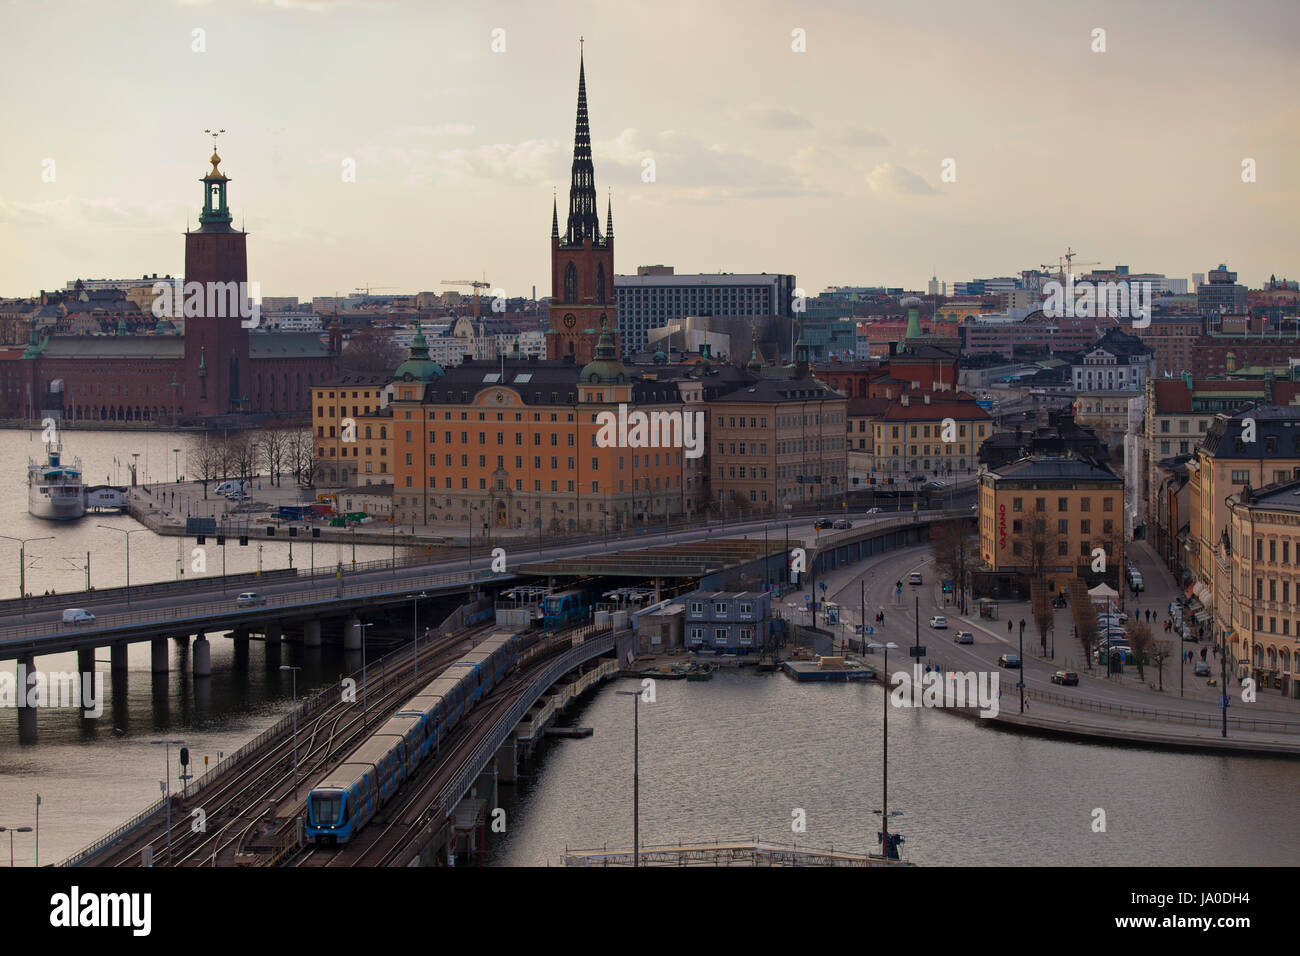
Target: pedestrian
(1008, 627)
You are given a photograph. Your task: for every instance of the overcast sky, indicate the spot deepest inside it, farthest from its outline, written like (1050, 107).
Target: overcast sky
(825, 163)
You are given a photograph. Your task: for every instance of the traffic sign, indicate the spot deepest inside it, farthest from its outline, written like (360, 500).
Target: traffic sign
(916, 650)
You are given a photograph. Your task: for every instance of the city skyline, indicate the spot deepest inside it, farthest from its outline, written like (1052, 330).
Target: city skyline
(762, 152)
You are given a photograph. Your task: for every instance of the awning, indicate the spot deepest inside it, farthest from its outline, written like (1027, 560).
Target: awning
(1201, 617)
(1203, 594)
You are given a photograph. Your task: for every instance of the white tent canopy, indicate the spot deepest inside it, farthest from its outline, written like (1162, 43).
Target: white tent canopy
(1103, 591)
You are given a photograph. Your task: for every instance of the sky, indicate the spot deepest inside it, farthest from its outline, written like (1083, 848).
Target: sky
(805, 137)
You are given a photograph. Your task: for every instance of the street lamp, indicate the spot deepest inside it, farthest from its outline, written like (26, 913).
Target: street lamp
(167, 758)
(128, 534)
(294, 672)
(636, 773)
(364, 712)
(12, 831)
(22, 560)
(884, 791)
(415, 640)
(1021, 682)
(176, 464)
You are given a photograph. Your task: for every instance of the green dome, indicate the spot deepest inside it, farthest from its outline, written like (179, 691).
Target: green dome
(418, 367)
(606, 367)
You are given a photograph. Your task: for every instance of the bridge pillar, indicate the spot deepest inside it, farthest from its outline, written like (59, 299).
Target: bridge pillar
(507, 761)
(274, 634)
(311, 634)
(240, 635)
(86, 661)
(202, 657)
(182, 639)
(160, 662)
(118, 655)
(26, 714)
(352, 634)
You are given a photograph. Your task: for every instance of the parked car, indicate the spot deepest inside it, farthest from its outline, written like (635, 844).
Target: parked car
(1066, 678)
(1009, 660)
(873, 511)
(77, 615)
(939, 622)
(842, 523)
(934, 485)
(821, 523)
(238, 497)
(914, 577)
(250, 599)
(226, 487)
(965, 637)
(1202, 669)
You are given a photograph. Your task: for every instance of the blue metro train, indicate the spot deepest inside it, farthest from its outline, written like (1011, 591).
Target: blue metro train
(565, 607)
(346, 800)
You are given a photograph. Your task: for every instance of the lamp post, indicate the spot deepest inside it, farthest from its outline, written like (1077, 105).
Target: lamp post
(636, 774)
(415, 619)
(294, 672)
(38, 829)
(124, 531)
(22, 560)
(12, 831)
(176, 464)
(884, 769)
(1021, 681)
(167, 758)
(364, 711)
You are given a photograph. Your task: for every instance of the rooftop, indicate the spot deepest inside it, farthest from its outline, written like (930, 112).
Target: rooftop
(1052, 468)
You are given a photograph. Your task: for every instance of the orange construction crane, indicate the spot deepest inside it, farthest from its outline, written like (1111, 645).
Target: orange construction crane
(365, 289)
(476, 286)
(1065, 264)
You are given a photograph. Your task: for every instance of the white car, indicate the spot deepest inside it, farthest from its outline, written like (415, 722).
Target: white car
(873, 511)
(250, 599)
(939, 622)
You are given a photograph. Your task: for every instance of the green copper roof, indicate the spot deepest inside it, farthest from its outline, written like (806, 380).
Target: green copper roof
(418, 367)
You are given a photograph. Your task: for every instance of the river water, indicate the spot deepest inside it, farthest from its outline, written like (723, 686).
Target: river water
(731, 759)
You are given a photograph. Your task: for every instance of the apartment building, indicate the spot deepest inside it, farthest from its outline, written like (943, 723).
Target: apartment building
(926, 432)
(351, 431)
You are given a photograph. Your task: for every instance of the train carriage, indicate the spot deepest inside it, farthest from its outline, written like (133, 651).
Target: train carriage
(408, 729)
(342, 803)
(564, 607)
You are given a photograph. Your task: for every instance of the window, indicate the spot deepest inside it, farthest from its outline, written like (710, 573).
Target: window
(1063, 526)
(1240, 477)
(1062, 548)
(1108, 504)
(1017, 504)
(1085, 504)
(1062, 504)
(1040, 504)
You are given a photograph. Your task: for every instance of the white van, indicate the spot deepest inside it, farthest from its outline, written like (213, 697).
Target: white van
(230, 487)
(77, 615)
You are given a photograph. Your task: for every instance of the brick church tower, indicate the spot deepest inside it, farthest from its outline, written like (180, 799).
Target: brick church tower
(582, 260)
(216, 346)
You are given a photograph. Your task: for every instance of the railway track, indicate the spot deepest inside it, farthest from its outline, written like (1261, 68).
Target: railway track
(385, 840)
(235, 804)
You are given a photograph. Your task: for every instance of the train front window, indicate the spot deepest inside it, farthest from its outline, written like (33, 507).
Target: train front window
(325, 809)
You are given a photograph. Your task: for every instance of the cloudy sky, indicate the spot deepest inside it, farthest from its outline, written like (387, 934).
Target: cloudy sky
(827, 163)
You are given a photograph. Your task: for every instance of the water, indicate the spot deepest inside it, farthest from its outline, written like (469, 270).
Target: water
(90, 777)
(732, 759)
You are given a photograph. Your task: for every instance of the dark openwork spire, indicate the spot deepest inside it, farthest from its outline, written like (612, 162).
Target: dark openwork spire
(583, 221)
(555, 219)
(609, 218)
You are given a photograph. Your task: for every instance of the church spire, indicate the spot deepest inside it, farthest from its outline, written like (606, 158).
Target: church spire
(583, 221)
(555, 218)
(609, 217)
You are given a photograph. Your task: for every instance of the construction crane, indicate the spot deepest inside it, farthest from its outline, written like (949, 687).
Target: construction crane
(1065, 264)
(476, 286)
(365, 289)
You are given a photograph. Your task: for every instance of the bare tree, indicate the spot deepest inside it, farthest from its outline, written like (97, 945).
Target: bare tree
(950, 545)
(299, 451)
(1161, 651)
(1139, 639)
(1085, 618)
(208, 461)
(1040, 545)
(372, 351)
(272, 447)
(1044, 617)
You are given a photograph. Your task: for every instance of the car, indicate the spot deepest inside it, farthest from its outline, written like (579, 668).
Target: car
(1202, 669)
(914, 577)
(965, 637)
(821, 523)
(939, 622)
(250, 599)
(238, 497)
(1009, 660)
(934, 485)
(1116, 634)
(873, 511)
(842, 523)
(1107, 620)
(1066, 678)
(77, 615)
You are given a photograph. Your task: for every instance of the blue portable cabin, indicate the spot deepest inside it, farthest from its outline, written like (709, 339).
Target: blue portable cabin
(408, 730)
(342, 803)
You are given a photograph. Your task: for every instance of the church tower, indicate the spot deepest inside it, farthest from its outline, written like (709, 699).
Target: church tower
(216, 345)
(582, 260)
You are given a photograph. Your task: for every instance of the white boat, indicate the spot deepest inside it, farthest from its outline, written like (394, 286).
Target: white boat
(54, 490)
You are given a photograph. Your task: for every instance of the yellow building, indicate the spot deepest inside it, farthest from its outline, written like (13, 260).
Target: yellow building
(1263, 563)
(351, 429)
(1046, 516)
(928, 432)
(1234, 454)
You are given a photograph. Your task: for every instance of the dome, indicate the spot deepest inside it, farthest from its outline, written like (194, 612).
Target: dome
(418, 367)
(606, 367)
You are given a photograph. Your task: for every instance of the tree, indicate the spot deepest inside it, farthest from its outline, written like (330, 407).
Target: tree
(1139, 639)
(1085, 617)
(372, 351)
(299, 451)
(209, 461)
(272, 447)
(1161, 651)
(1041, 546)
(950, 545)
(1044, 617)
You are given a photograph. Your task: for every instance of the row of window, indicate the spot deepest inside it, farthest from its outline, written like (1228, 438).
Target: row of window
(1063, 526)
(665, 484)
(1063, 504)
